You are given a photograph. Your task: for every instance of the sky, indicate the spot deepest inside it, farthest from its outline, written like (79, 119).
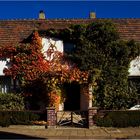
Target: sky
(69, 9)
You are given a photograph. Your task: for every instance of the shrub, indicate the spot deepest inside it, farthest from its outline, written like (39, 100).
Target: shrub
(106, 122)
(17, 117)
(118, 119)
(20, 117)
(4, 119)
(11, 101)
(121, 120)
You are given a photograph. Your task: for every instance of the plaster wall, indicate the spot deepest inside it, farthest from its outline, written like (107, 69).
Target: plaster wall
(3, 65)
(46, 42)
(134, 69)
(84, 98)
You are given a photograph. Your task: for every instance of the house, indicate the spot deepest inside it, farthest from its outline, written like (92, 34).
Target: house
(15, 31)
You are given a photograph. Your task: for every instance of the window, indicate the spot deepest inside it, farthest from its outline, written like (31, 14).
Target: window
(68, 47)
(5, 84)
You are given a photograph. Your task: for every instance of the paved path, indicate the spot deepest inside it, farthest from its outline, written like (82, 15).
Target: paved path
(24, 132)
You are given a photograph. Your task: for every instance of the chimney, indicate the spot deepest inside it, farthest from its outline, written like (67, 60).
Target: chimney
(41, 15)
(92, 15)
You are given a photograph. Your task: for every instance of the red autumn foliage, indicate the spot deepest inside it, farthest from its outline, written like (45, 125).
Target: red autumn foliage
(28, 63)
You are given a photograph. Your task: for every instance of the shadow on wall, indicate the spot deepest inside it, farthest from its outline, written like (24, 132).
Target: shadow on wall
(9, 135)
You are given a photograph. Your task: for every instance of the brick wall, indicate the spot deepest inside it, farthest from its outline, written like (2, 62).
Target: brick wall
(51, 117)
(91, 113)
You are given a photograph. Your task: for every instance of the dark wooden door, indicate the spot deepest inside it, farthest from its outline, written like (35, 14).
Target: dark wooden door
(72, 101)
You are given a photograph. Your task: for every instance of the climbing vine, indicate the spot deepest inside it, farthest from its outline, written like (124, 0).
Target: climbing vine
(38, 74)
(99, 47)
(98, 56)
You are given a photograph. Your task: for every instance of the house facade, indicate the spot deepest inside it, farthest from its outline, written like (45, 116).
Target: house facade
(18, 31)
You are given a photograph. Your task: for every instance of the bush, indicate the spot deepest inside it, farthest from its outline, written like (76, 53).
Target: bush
(121, 120)
(4, 119)
(118, 119)
(11, 101)
(17, 117)
(23, 117)
(103, 122)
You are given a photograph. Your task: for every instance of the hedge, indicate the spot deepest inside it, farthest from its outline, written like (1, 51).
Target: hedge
(118, 119)
(17, 117)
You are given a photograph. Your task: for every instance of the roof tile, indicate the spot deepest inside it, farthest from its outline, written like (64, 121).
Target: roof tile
(13, 31)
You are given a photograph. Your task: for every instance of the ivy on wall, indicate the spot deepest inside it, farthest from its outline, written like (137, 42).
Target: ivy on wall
(99, 48)
(99, 54)
(40, 79)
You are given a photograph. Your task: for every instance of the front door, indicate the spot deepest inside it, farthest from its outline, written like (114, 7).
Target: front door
(72, 101)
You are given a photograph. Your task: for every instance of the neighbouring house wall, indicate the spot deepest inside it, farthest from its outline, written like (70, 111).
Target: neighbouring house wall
(134, 69)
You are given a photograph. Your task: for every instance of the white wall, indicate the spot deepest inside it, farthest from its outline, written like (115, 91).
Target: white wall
(46, 42)
(4, 83)
(84, 98)
(3, 64)
(135, 67)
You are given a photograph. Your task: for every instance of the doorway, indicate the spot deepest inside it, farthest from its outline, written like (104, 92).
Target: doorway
(72, 91)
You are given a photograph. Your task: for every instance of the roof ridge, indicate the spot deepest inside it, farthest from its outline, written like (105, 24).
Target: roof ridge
(62, 19)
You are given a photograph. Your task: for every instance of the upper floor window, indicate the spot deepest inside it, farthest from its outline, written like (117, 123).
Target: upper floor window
(5, 84)
(68, 47)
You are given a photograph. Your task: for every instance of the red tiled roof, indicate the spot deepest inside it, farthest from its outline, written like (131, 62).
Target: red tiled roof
(14, 31)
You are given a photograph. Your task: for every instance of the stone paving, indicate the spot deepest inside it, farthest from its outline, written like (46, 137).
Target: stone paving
(34, 132)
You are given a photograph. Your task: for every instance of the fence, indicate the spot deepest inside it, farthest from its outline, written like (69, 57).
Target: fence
(49, 115)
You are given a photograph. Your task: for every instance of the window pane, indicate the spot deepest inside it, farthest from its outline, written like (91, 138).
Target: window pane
(5, 84)
(68, 47)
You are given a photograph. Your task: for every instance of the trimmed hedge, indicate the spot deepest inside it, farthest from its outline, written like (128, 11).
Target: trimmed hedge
(17, 117)
(118, 119)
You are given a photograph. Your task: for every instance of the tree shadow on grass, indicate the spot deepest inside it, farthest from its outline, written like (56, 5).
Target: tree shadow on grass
(9, 135)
